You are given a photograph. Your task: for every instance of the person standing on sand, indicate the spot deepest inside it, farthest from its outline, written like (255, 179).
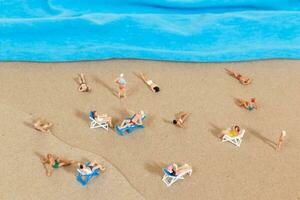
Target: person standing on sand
(122, 85)
(280, 140)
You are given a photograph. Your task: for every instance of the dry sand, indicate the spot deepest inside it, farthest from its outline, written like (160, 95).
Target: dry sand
(134, 162)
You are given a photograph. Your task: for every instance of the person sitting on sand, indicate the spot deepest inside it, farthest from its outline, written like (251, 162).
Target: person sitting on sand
(90, 168)
(175, 170)
(103, 117)
(181, 117)
(232, 132)
(83, 87)
(153, 86)
(43, 126)
(137, 119)
(243, 80)
(249, 105)
(54, 162)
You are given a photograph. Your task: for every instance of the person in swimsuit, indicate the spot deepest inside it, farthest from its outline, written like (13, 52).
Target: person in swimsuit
(54, 162)
(181, 117)
(249, 105)
(103, 117)
(232, 132)
(153, 86)
(122, 85)
(280, 140)
(43, 126)
(137, 119)
(90, 168)
(175, 170)
(83, 87)
(243, 80)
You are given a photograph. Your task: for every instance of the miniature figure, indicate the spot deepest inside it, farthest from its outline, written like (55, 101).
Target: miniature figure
(233, 135)
(249, 105)
(153, 86)
(83, 87)
(173, 173)
(54, 162)
(132, 123)
(43, 126)
(87, 171)
(97, 121)
(181, 117)
(232, 132)
(122, 85)
(243, 80)
(281, 139)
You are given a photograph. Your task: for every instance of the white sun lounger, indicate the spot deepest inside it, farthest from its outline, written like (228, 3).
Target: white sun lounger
(237, 140)
(98, 123)
(169, 178)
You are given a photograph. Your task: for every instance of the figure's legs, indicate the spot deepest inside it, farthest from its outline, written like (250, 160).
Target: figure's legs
(125, 124)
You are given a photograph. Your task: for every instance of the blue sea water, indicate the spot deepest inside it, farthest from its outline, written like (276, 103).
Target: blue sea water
(176, 30)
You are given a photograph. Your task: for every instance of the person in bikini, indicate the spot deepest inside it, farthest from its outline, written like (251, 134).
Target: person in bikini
(103, 117)
(137, 119)
(175, 170)
(54, 162)
(249, 105)
(43, 126)
(83, 87)
(153, 86)
(122, 85)
(232, 132)
(181, 117)
(90, 168)
(243, 80)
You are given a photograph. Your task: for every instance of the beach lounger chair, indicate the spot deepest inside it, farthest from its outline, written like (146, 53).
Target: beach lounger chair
(236, 140)
(129, 129)
(98, 123)
(84, 179)
(169, 178)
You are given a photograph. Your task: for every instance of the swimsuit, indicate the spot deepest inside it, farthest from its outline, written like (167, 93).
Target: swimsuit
(56, 164)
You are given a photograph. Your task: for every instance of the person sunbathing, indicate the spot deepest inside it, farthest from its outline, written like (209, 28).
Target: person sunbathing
(232, 132)
(137, 119)
(181, 117)
(175, 170)
(54, 162)
(243, 80)
(249, 105)
(103, 117)
(153, 86)
(42, 126)
(90, 168)
(83, 87)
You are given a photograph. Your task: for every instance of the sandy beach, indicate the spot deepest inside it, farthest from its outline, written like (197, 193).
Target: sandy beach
(134, 162)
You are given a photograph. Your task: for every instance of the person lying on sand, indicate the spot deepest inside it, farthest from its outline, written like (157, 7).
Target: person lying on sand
(54, 162)
(175, 170)
(137, 119)
(153, 86)
(243, 80)
(43, 126)
(181, 117)
(83, 87)
(90, 168)
(232, 132)
(103, 117)
(249, 105)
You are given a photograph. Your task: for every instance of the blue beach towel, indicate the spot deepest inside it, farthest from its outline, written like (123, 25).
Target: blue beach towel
(177, 30)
